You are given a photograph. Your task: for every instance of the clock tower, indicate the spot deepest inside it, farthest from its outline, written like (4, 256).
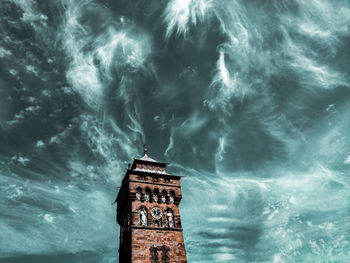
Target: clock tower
(148, 214)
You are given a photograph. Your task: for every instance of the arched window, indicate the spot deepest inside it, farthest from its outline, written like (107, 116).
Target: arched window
(172, 197)
(164, 196)
(155, 195)
(143, 216)
(147, 194)
(169, 218)
(138, 193)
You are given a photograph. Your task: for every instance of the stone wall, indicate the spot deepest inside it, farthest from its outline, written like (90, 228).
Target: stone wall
(144, 240)
(156, 244)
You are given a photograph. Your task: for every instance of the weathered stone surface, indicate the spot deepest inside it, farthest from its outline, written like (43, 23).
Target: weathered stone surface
(145, 239)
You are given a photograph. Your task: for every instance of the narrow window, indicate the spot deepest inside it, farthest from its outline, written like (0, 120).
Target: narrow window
(172, 197)
(147, 195)
(154, 254)
(165, 254)
(164, 196)
(138, 193)
(156, 195)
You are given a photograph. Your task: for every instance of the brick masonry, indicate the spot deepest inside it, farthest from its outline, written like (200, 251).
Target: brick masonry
(151, 243)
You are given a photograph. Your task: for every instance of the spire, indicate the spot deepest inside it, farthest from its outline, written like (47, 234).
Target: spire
(144, 149)
(145, 156)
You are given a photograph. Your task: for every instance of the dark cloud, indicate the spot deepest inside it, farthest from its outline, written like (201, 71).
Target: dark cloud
(246, 99)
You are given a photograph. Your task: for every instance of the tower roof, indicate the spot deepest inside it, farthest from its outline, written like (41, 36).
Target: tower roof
(147, 158)
(147, 164)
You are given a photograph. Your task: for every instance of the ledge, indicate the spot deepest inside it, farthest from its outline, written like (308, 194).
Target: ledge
(158, 228)
(155, 183)
(149, 172)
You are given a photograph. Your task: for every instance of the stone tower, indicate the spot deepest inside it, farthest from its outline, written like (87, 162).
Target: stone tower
(148, 214)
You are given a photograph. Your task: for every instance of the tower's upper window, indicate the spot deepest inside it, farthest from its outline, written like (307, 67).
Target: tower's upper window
(172, 197)
(164, 196)
(155, 195)
(147, 194)
(138, 193)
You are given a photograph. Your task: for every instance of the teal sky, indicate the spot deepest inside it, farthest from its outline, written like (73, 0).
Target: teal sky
(248, 100)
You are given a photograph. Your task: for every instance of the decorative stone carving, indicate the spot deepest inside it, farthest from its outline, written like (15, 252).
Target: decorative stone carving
(163, 198)
(143, 217)
(147, 196)
(155, 197)
(138, 194)
(172, 198)
(169, 218)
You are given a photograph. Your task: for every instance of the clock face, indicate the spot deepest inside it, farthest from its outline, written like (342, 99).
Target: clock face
(156, 212)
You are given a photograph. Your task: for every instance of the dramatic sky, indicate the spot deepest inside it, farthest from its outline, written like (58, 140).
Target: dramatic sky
(249, 100)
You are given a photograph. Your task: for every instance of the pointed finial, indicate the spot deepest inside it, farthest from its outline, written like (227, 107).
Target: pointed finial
(144, 149)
